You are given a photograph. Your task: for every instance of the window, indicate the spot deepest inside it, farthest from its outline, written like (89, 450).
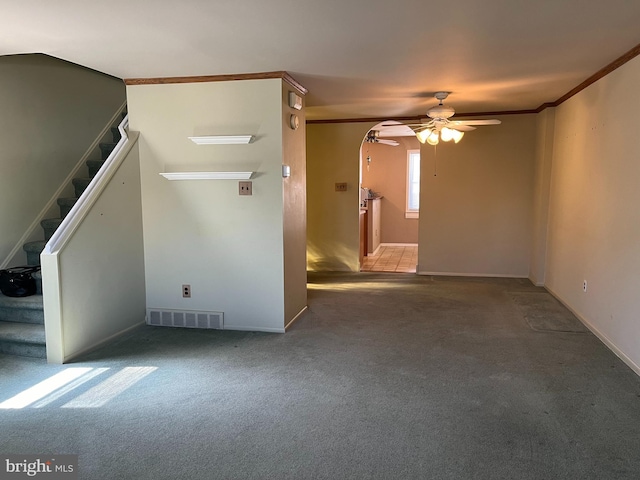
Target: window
(413, 184)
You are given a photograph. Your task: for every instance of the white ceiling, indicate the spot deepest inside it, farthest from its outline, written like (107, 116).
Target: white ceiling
(378, 58)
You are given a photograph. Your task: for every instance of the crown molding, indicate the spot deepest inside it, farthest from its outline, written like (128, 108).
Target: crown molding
(603, 72)
(417, 118)
(285, 76)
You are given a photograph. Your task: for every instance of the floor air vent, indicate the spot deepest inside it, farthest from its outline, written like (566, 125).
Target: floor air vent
(185, 319)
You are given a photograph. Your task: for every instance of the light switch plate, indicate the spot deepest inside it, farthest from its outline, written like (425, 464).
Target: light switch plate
(244, 188)
(341, 187)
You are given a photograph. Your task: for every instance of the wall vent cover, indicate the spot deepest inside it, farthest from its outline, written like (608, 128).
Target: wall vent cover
(185, 319)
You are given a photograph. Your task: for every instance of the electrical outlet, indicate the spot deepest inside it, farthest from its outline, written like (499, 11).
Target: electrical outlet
(244, 188)
(341, 187)
(584, 285)
(186, 291)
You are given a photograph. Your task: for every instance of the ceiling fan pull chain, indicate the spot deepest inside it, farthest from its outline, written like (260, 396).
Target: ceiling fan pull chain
(435, 163)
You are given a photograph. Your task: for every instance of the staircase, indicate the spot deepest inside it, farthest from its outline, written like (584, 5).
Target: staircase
(22, 319)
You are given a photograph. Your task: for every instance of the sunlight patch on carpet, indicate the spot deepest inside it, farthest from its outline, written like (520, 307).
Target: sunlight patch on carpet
(107, 390)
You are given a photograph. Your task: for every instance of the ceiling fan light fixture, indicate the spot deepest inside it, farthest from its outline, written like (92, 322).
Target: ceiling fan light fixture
(422, 135)
(457, 135)
(446, 134)
(433, 139)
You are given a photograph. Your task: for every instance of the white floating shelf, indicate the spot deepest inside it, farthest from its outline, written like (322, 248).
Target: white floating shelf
(207, 175)
(222, 139)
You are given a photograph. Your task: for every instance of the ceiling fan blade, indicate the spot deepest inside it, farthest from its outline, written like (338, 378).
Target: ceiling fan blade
(486, 121)
(402, 125)
(396, 131)
(461, 128)
(393, 143)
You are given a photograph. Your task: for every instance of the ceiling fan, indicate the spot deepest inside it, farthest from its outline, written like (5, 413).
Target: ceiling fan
(440, 127)
(373, 136)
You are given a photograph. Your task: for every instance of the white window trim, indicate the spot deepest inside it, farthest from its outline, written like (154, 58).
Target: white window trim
(409, 212)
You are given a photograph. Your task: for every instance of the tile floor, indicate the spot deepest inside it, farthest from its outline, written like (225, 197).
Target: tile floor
(391, 258)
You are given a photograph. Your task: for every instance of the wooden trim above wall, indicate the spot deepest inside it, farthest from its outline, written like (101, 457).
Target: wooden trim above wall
(617, 63)
(417, 118)
(219, 78)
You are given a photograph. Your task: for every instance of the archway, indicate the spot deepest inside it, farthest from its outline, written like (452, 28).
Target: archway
(388, 232)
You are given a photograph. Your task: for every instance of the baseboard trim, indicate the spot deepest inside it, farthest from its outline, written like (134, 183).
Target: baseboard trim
(479, 275)
(375, 252)
(294, 319)
(398, 244)
(601, 336)
(242, 328)
(99, 344)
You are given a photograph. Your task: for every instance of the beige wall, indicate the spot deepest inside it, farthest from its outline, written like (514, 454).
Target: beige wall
(229, 248)
(545, 123)
(333, 153)
(475, 216)
(387, 175)
(51, 113)
(594, 220)
(476, 201)
(294, 194)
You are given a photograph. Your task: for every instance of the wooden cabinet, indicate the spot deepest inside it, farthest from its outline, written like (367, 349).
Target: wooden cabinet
(363, 235)
(373, 224)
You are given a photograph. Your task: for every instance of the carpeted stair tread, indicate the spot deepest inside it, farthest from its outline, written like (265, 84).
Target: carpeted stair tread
(38, 278)
(33, 251)
(67, 201)
(94, 166)
(65, 204)
(50, 222)
(21, 309)
(50, 225)
(81, 180)
(115, 133)
(22, 339)
(80, 184)
(34, 247)
(106, 149)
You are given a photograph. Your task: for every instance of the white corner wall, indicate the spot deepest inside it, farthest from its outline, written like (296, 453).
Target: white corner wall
(94, 287)
(476, 202)
(594, 219)
(51, 113)
(229, 248)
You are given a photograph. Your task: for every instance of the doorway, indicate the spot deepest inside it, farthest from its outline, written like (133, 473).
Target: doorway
(388, 230)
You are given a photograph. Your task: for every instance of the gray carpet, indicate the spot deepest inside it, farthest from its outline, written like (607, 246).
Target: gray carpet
(388, 376)
(543, 312)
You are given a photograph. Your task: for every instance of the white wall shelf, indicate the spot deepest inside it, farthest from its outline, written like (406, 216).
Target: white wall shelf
(207, 175)
(222, 139)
